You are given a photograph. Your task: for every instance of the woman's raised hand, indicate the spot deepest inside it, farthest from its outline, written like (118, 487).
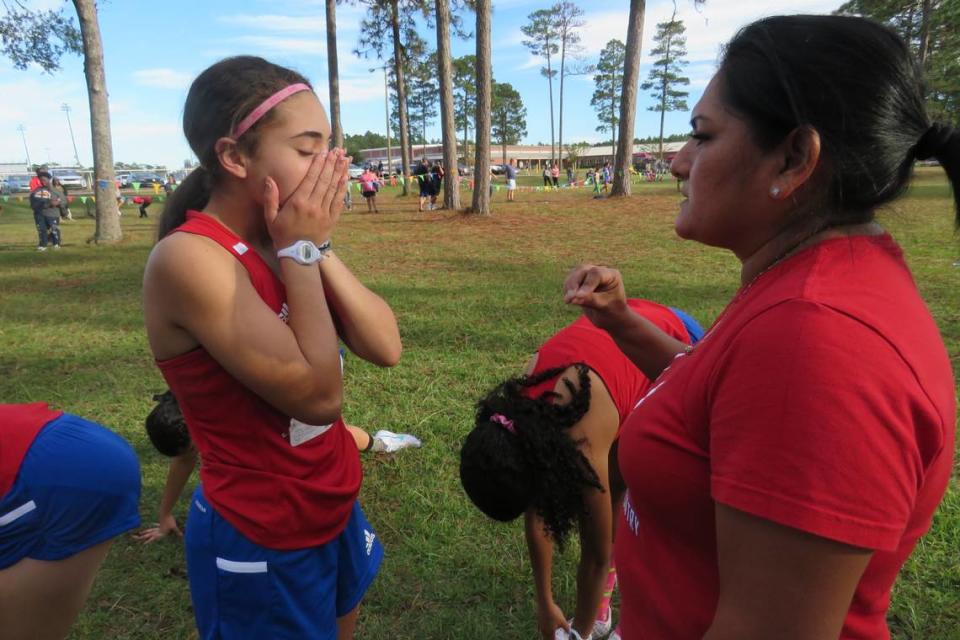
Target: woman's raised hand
(312, 210)
(599, 291)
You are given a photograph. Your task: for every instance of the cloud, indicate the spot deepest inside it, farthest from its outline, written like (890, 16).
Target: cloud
(163, 78)
(289, 24)
(282, 45)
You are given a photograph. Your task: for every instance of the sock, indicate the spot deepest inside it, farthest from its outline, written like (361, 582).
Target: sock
(604, 612)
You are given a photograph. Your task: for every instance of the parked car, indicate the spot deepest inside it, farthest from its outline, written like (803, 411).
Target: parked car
(69, 178)
(18, 183)
(355, 171)
(464, 170)
(145, 178)
(498, 169)
(123, 180)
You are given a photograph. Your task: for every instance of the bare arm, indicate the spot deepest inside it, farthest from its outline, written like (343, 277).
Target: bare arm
(364, 320)
(599, 291)
(295, 367)
(598, 428)
(178, 473)
(779, 582)
(549, 616)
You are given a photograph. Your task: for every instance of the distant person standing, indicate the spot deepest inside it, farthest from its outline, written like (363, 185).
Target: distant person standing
(569, 176)
(555, 174)
(369, 185)
(45, 202)
(510, 170)
(422, 173)
(436, 184)
(64, 206)
(546, 177)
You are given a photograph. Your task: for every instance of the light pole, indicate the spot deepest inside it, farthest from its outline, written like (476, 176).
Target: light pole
(66, 109)
(23, 134)
(386, 105)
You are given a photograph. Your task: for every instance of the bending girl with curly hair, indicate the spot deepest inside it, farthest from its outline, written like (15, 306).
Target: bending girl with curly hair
(544, 445)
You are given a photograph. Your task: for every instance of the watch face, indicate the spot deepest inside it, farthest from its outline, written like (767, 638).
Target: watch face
(306, 251)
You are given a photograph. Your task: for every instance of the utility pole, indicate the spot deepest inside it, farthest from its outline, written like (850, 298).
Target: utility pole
(386, 104)
(23, 134)
(66, 109)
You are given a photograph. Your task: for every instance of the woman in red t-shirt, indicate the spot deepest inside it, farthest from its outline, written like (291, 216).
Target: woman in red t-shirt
(545, 445)
(245, 304)
(781, 471)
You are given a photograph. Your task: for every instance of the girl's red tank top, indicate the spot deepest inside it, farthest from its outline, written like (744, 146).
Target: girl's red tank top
(582, 342)
(281, 483)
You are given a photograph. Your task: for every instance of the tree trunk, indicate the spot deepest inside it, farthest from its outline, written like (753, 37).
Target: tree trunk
(333, 73)
(628, 99)
(104, 183)
(553, 140)
(448, 124)
(401, 94)
(663, 91)
(925, 16)
(563, 57)
(481, 172)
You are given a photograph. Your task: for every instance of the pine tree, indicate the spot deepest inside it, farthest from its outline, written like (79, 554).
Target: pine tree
(508, 116)
(609, 81)
(544, 42)
(665, 76)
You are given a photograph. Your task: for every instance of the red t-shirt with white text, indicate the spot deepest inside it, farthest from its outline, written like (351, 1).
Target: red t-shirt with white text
(822, 399)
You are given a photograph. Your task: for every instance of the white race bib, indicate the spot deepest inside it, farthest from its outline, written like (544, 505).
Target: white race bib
(301, 432)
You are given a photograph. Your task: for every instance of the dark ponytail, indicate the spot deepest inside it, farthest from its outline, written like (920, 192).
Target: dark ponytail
(192, 193)
(219, 98)
(520, 454)
(942, 143)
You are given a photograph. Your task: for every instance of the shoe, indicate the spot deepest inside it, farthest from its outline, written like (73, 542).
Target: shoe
(601, 627)
(56, 246)
(389, 442)
(41, 248)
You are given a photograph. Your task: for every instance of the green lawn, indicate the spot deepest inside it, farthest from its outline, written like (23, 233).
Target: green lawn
(474, 298)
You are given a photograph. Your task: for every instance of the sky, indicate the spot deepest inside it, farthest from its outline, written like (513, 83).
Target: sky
(153, 51)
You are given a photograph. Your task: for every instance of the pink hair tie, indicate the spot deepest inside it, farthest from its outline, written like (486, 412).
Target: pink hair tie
(266, 105)
(504, 422)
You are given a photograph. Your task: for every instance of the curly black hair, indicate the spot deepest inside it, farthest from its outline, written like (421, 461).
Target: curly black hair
(537, 464)
(166, 427)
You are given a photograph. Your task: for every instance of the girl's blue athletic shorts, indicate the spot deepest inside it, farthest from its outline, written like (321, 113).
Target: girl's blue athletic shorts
(243, 590)
(78, 485)
(693, 327)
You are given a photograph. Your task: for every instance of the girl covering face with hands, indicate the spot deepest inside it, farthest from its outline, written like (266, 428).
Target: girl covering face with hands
(245, 301)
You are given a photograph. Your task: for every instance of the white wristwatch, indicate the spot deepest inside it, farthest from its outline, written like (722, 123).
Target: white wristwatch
(305, 252)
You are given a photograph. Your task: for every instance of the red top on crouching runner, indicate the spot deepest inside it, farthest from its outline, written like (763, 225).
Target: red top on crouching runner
(582, 341)
(19, 426)
(283, 484)
(822, 399)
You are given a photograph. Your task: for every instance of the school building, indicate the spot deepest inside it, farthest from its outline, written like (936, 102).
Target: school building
(534, 157)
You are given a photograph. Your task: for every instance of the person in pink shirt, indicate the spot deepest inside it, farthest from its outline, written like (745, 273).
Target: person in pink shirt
(369, 186)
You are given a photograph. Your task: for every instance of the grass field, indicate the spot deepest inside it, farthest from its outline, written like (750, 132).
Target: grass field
(474, 298)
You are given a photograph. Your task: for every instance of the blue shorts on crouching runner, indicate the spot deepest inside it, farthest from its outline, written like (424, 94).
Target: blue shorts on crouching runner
(78, 485)
(692, 326)
(242, 590)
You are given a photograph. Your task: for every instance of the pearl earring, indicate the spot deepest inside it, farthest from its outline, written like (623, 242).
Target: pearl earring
(774, 192)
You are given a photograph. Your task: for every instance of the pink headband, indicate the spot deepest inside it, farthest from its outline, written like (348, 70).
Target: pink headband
(266, 105)
(504, 422)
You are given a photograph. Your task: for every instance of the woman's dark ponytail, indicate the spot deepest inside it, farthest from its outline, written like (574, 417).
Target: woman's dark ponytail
(942, 143)
(192, 193)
